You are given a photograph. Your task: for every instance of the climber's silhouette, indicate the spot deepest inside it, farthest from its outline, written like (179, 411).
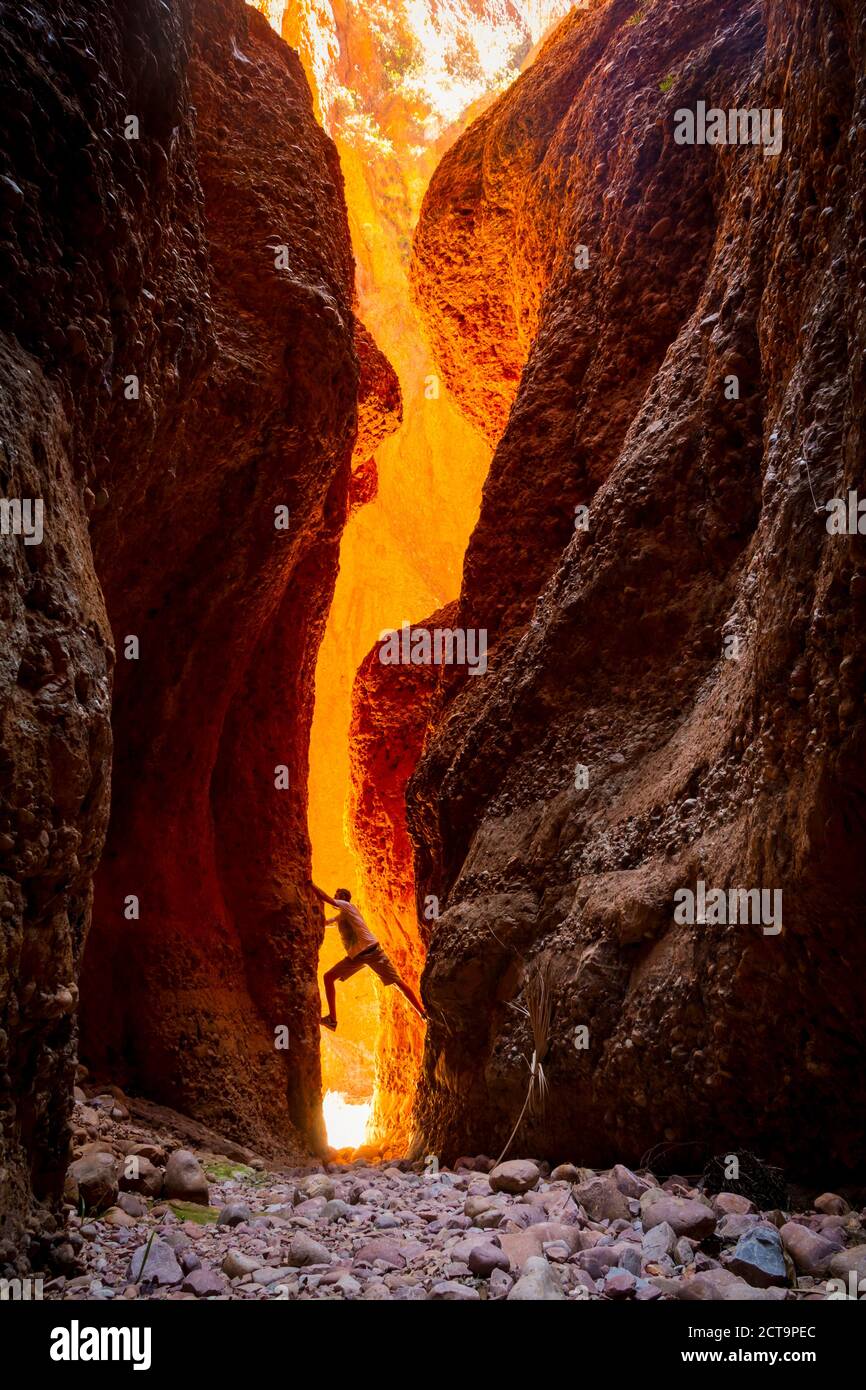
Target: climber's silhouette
(362, 949)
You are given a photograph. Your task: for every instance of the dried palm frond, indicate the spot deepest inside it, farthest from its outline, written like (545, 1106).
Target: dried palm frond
(539, 1010)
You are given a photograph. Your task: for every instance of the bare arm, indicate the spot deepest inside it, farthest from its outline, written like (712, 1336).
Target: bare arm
(323, 896)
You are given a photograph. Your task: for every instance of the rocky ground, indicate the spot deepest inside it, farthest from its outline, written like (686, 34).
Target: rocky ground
(159, 1208)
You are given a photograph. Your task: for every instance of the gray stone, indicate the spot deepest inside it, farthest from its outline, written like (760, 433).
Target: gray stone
(619, 1283)
(759, 1259)
(602, 1200)
(205, 1283)
(659, 1241)
(140, 1175)
(736, 1225)
(499, 1284)
(270, 1274)
(483, 1259)
(92, 1180)
(388, 1251)
(847, 1260)
(336, 1210)
(537, 1283)
(452, 1292)
(684, 1253)
(317, 1185)
(684, 1216)
(155, 1262)
(810, 1251)
(628, 1182)
(184, 1178)
(236, 1264)
(303, 1250)
(235, 1214)
(131, 1204)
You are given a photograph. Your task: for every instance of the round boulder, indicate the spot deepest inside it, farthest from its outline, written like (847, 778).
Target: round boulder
(185, 1179)
(517, 1176)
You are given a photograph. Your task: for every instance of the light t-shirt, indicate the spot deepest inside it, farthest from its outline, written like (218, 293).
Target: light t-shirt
(354, 932)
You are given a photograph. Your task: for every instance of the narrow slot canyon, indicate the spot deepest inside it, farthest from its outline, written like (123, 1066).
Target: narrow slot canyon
(389, 87)
(429, 469)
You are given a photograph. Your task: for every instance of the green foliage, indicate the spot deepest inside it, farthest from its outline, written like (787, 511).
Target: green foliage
(191, 1211)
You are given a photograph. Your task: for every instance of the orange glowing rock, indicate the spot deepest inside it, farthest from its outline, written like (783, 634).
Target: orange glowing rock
(393, 84)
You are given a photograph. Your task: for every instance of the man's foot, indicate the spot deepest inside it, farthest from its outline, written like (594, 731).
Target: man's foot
(328, 1021)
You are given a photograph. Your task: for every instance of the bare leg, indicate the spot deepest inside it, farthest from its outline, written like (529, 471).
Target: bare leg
(416, 1003)
(331, 996)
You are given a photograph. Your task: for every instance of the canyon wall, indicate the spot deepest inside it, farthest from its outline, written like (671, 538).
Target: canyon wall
(675, 691)
(391, 707)
(180, 373)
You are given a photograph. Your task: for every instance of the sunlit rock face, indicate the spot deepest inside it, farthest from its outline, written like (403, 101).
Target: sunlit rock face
(699, 648)
(390, 718)
(393, 84)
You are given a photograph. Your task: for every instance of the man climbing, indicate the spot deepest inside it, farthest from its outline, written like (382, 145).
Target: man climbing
(362, 949)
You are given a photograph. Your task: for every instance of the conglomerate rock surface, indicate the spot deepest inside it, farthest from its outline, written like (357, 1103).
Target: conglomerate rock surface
(698, 649)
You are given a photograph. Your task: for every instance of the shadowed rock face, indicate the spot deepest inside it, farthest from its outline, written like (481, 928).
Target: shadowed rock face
(699, 649)
(88, 221)
(229, 622)
(154, 258)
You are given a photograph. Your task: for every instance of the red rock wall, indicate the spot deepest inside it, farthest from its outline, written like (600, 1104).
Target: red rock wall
(154, 257)
(230, 619)
(612, 646)
(89, 220)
